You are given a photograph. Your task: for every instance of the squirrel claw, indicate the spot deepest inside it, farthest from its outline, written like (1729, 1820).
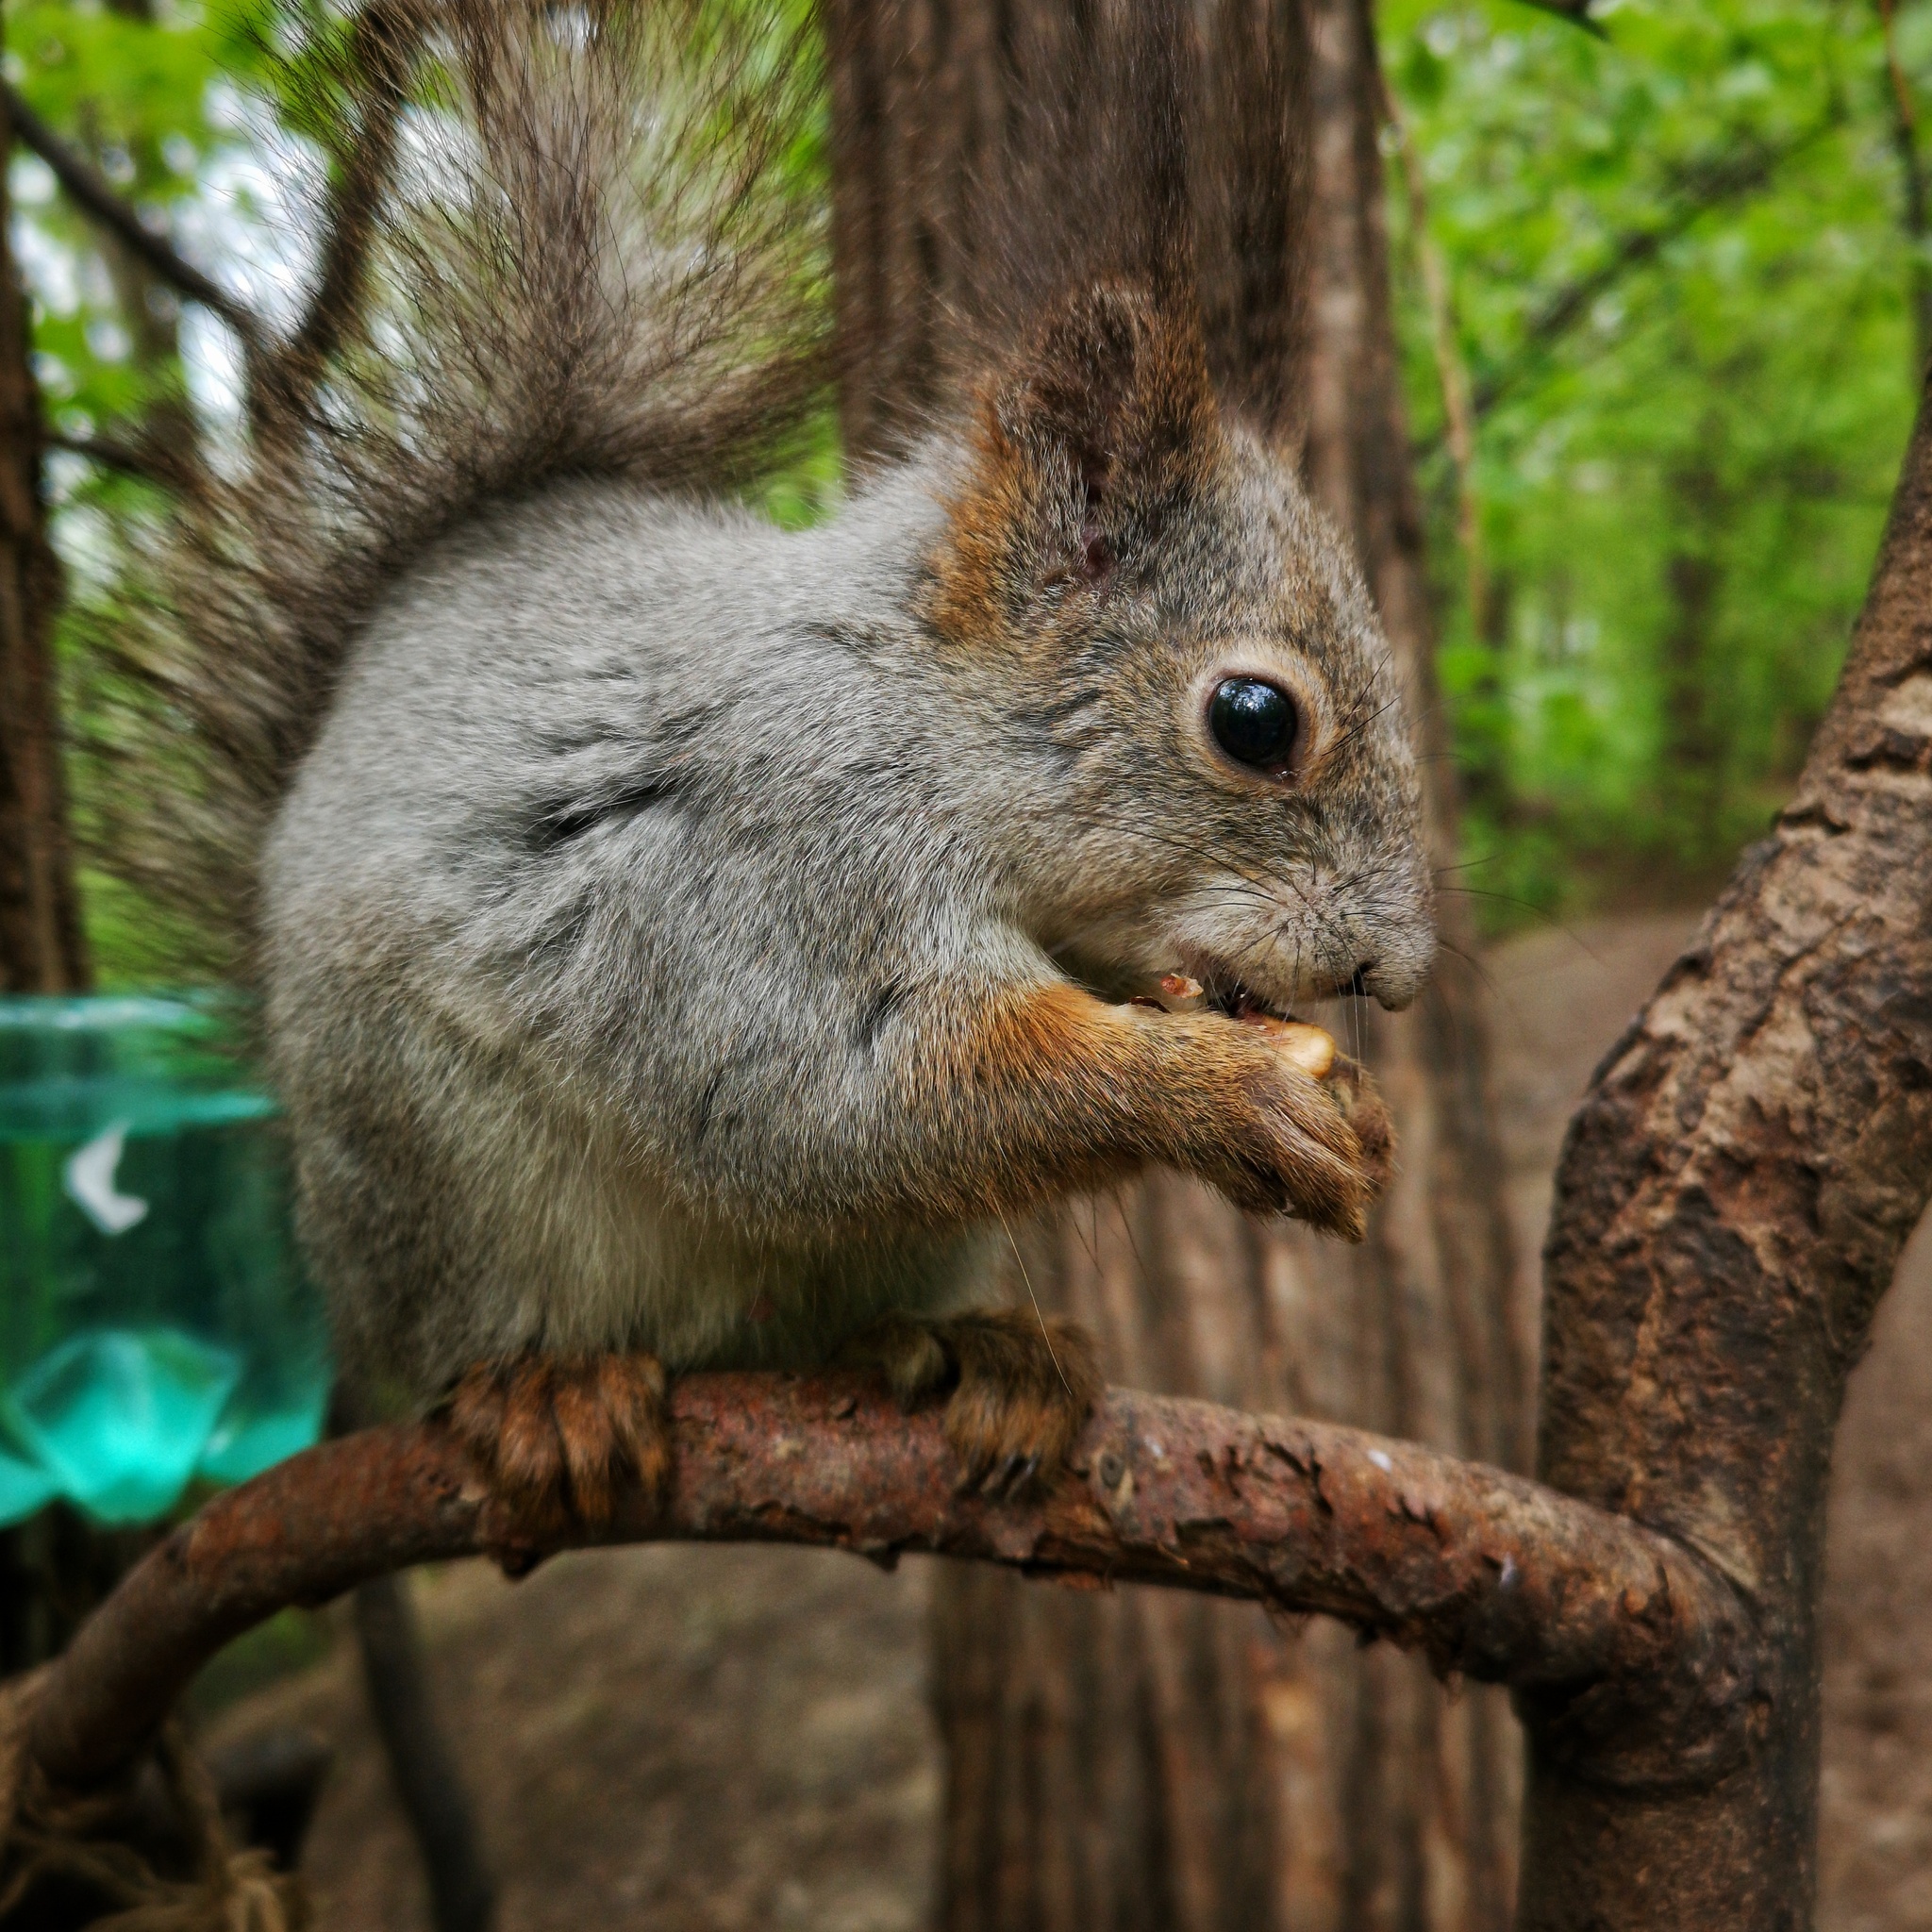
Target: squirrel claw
(1019, 1388)
(553, 1436)
(1010, 1477)
(1359, 1101)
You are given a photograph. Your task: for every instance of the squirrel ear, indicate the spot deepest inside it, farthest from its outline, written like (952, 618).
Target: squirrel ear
(1114, 381)
(1103, 420)
(1106, 414)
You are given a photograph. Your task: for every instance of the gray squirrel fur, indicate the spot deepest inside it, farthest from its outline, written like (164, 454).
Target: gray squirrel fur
(677, 934)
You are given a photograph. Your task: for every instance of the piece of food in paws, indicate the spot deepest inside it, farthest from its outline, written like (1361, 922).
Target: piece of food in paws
(1308, 1047)
(1173, 992)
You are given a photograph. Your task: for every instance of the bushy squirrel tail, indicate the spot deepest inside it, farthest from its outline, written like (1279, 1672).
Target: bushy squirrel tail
(594, 247)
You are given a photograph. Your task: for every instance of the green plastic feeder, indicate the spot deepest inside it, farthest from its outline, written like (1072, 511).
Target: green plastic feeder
(154, 1323)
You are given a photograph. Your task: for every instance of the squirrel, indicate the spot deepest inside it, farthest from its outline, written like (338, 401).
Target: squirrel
(682, 938)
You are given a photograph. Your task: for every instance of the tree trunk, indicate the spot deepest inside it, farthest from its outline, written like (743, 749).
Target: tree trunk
(40, 946)
(1733, 1198)
(987, 152)
(1131, 1759)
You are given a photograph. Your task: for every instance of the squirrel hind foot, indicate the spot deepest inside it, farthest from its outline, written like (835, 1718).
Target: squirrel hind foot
(1019, 1389)
(555, 1435)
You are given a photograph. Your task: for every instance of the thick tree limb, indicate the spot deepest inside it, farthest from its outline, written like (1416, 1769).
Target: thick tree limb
(95, 196)
(1488, 1574)
(1732, 1201)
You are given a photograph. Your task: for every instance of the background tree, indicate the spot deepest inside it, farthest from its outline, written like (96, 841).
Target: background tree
(42, 948)
(52, 1571)
(1142, 1759)
(141, 107)
(1681, 251)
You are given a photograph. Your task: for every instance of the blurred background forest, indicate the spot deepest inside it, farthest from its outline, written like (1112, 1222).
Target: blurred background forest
(1662, 293)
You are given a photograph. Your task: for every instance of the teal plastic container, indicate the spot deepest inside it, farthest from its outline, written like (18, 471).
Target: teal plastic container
(155, 1322)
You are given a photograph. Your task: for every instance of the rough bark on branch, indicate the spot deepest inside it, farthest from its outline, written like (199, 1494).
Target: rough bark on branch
(1732, 1201)
(1490, 1575)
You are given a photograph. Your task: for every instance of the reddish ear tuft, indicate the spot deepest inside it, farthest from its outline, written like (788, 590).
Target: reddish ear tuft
(1112, 392)
(1089, 435)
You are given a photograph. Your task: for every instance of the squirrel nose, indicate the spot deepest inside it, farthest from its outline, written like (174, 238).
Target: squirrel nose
(1393, 983)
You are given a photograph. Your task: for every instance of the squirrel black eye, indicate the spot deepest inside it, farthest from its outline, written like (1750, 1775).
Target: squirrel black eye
(1253, 722)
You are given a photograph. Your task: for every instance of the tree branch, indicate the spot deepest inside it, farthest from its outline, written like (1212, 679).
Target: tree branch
(384, 45)
(91, 191)
(1488, 1575)
(130, 459)
(386, 40)
(1917, 216)
(1451, 367)
(1728, 177)
(1577, 12)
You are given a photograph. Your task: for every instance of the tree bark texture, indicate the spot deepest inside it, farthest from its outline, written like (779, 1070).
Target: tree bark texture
(41, 945)
(1437, 1276)
(1732, 1200)
(984, 155)
(1142, 1760)
(1482, 1572)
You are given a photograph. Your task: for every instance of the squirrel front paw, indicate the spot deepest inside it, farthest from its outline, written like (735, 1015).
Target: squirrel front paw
(553, 1434)
(1019, 1387)
(1316, 1145)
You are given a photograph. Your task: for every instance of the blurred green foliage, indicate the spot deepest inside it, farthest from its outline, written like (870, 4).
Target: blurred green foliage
(217, 121)
(152, 96)
(1681, 287)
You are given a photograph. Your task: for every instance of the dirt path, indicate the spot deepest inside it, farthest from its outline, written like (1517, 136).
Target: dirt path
(1876, 1862)
(698, 1739)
